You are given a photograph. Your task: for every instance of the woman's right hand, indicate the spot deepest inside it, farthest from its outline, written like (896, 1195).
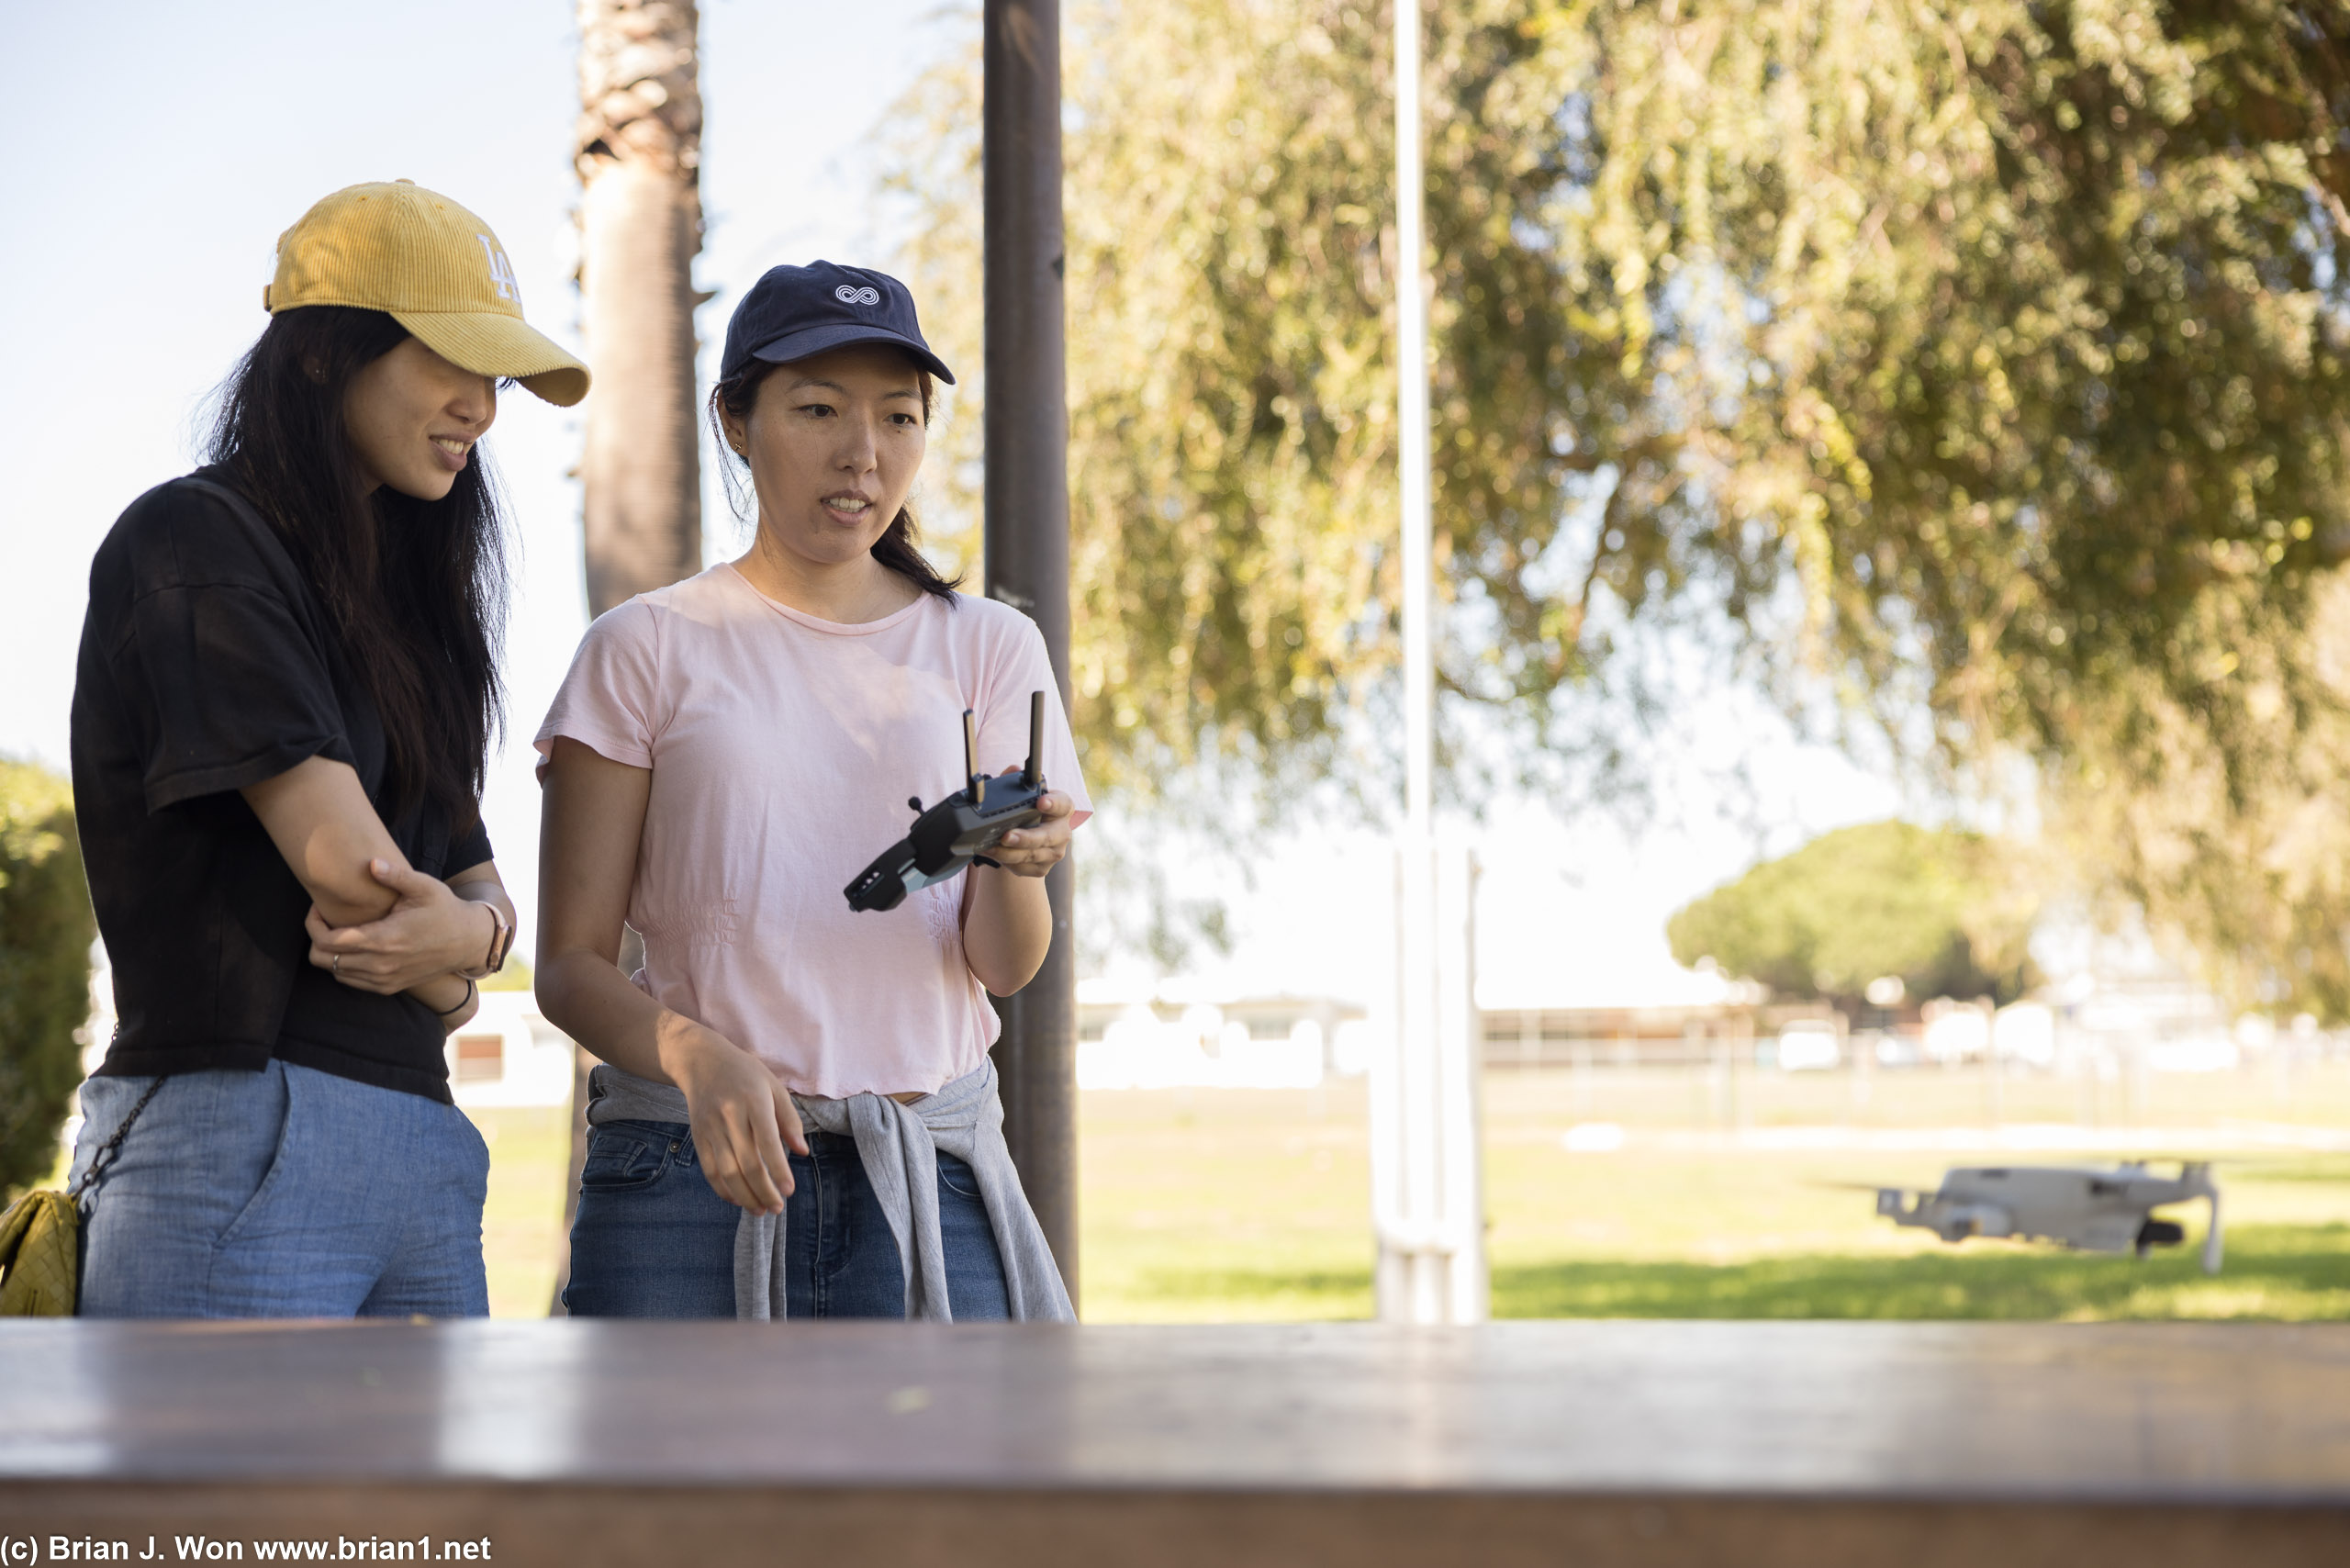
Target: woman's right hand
(742, 1117)
(432, 930)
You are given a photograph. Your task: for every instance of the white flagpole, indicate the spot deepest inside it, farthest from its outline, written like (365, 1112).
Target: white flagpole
(1412, 409)
(1426, 1199)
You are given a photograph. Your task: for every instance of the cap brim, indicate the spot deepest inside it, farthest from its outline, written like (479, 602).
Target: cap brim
(505, 346)
(839, 335)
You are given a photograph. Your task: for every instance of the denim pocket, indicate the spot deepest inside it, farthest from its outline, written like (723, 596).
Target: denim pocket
(958, 1177)
(256, 1098)
(624, 1156)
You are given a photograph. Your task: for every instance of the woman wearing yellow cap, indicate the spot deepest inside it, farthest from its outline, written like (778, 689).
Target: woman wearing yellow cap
(281, 715)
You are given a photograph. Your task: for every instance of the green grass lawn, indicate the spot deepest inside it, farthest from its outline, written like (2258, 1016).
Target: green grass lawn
(1244, 1206)
(1224, 1206)
(1666, 1235)
(529, 1151)
(1230, 1207)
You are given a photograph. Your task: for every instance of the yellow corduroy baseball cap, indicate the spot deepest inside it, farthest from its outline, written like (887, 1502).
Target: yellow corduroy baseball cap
(435, 268)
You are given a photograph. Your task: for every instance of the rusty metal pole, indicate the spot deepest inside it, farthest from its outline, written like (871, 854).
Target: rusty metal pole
(1027, 545)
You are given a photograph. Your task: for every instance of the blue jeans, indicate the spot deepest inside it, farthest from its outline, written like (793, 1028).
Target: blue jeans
(287, 1193)
(652, 1239)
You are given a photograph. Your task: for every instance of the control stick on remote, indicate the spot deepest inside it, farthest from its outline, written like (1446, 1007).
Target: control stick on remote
(960, 829)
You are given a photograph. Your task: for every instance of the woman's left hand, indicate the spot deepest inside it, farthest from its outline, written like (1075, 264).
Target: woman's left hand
(1036, 849)
(431, 931)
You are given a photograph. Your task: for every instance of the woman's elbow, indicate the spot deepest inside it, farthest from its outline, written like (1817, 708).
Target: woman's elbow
(339, 873)
(1006, 974)
(341, 902)
(556, 983)
(548, 992)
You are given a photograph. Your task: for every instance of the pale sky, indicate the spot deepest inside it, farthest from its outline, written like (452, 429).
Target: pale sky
(173, 143)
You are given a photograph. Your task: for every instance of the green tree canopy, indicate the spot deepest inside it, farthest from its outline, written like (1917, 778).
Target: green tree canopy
(45, 933)
(1941, 909)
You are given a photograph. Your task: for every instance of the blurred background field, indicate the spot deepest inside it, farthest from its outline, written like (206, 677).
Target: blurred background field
(1202, 1206)
(522, 1224)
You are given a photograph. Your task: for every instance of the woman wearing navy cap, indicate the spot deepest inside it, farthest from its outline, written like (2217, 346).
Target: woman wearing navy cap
(797, 1115)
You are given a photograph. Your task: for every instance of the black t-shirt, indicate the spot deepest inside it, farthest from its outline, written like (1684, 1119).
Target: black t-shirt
(206, 665)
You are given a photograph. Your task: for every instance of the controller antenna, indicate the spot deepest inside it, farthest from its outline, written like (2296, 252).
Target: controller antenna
(973, 779)
(1034, 774)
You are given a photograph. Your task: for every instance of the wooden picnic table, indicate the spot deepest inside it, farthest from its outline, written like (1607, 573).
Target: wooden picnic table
(579, 1442)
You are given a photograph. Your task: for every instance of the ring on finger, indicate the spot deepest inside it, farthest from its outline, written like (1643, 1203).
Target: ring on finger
(335, 969)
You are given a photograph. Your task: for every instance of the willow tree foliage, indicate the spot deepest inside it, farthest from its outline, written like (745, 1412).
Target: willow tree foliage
(2241, 851)
(1231, 399)
(1978, 362)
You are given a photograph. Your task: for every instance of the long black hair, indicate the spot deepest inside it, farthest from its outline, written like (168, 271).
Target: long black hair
(415, 589)
(900, 547)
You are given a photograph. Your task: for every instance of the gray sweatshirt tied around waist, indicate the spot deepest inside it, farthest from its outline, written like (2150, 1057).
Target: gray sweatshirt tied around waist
(898, 1144)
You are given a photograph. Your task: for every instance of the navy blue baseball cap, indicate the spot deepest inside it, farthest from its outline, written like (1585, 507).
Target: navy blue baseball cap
(793, 312)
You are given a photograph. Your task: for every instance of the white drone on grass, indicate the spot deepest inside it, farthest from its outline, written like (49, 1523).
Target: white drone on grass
(2090, 1211)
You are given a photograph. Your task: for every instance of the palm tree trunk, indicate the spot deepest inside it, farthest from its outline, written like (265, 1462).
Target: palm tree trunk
(639, 156)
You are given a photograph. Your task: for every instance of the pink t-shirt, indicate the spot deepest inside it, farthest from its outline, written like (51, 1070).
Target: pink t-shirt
(783, 748)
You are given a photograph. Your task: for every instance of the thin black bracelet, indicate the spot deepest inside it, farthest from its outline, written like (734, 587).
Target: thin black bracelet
(461, 1004)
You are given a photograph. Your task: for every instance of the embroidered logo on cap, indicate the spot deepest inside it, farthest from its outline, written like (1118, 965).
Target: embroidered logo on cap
(501, 272)
(849, 294)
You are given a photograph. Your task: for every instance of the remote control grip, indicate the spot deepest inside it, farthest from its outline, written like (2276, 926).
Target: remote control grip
(960, 829)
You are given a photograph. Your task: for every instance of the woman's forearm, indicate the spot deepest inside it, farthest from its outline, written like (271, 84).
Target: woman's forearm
(1008, 930)
(590, 824)
(319, 816)
(586, 996)
(452, 1001)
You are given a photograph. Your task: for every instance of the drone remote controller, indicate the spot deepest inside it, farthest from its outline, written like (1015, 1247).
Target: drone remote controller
(961, 828)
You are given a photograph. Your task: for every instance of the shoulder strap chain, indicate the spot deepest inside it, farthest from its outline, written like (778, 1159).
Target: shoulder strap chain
(110, 1150)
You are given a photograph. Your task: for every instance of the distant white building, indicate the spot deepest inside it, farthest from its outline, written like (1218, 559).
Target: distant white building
(2119, 1004)
(508, 1055)
(1169, 1037)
